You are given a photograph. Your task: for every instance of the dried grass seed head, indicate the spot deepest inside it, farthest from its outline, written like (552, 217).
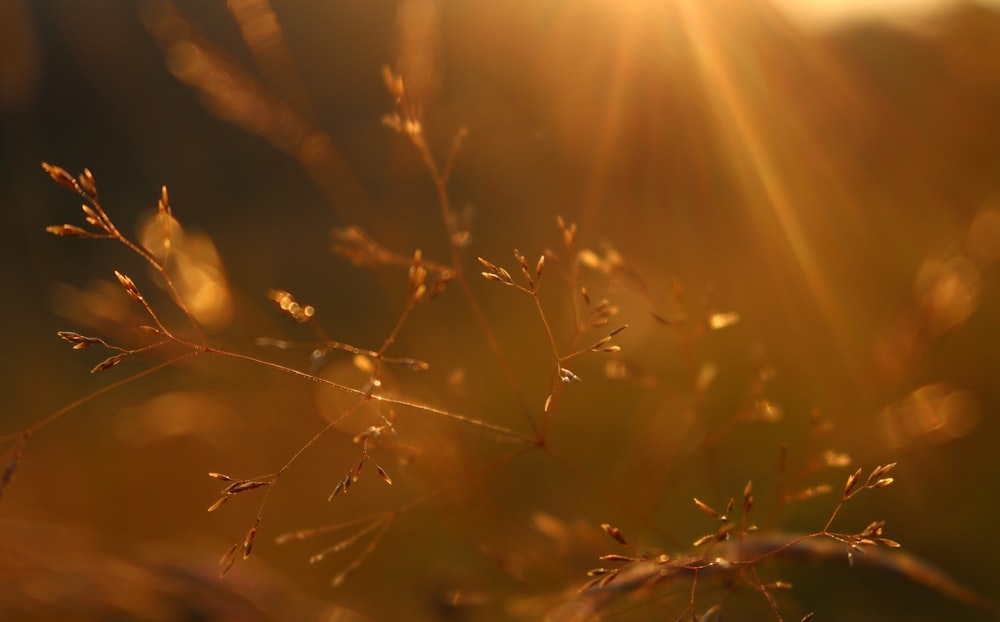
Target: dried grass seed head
(87, 183)
(62, 177)
(110, 362)
(615, 533)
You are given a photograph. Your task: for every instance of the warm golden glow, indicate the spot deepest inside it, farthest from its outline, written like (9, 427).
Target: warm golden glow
(827, 12)
(777, 115)
(589, 259)
(194, 264)
(933, 413)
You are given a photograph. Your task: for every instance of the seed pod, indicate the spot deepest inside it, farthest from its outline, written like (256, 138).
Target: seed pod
(61, 177)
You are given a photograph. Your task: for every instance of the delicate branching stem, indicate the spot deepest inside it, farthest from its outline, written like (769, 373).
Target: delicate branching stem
(548, 329)
(407, 122)
(380, 522)
(108, 388)
(733, 550)
(98, 218)
(491, 340)
(389, 340)
(504, 432)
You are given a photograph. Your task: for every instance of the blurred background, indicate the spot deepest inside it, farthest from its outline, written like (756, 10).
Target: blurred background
(825, 173)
